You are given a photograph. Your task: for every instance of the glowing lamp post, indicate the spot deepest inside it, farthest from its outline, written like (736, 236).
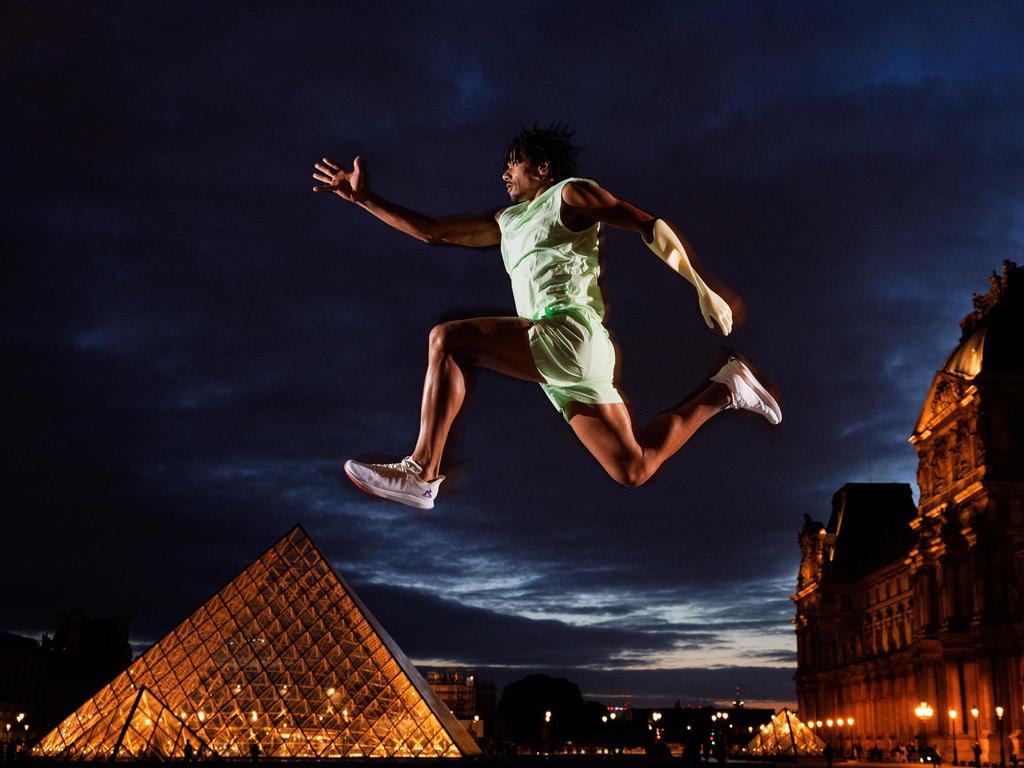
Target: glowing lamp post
(924, 714)
(545, 731)
(1002, 755)
(952, 728)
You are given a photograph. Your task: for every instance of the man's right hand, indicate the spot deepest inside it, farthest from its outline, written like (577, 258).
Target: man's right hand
(352, 185)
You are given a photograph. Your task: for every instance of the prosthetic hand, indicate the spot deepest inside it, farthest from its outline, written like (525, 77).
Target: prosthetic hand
(671, 251)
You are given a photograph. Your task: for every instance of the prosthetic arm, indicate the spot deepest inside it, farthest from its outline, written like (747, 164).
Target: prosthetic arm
(671, 251)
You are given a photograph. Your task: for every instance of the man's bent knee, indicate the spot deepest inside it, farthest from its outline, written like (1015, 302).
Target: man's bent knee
(631, 474)
(440, 340)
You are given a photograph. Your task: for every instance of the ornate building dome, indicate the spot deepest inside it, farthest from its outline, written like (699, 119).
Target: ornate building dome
(990, 344)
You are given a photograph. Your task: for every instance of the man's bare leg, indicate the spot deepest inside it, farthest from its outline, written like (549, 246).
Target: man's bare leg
(632, 458)
(502, 344)
(498, 343)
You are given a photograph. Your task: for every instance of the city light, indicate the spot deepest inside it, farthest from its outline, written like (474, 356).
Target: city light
(952, 729)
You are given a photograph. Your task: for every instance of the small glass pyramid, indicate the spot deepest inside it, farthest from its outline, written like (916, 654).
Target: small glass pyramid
(285, 659)
(785, 734)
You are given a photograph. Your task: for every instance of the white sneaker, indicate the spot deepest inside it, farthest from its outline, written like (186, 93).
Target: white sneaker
(746, 392)
(398, 482)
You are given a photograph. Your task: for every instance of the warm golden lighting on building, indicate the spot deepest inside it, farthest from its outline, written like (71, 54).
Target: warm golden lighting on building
(887, 580)
(275, 632)
(786, 735)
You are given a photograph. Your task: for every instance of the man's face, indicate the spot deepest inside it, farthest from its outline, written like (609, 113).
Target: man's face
(524, 180)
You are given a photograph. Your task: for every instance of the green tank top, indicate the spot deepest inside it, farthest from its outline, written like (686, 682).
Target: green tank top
(554, 270)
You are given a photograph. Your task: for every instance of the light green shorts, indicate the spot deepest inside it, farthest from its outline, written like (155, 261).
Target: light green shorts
(576, 358)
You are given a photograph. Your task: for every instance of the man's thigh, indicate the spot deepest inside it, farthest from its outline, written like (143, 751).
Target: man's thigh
(500, 344)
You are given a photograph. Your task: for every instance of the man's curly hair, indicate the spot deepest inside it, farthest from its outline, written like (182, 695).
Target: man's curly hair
(550, 145)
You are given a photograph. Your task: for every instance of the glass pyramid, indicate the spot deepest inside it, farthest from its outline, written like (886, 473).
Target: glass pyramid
(285, 658)
(785, 734)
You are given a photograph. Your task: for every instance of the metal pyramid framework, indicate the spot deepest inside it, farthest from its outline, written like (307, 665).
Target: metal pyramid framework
(285, 659)
(785, 734)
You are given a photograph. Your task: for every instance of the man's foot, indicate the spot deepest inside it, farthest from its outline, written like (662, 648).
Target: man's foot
(398, 482)
(746, 392)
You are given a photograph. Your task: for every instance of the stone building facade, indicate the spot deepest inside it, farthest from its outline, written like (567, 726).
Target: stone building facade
(898, 604)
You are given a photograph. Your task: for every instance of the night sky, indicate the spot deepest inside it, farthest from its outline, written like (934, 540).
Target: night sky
(195, 342)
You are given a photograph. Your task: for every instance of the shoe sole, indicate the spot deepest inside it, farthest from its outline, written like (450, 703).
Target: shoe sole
(400, 498)
(752, 379)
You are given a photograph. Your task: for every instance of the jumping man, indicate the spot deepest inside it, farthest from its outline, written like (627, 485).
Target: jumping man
(549, 239)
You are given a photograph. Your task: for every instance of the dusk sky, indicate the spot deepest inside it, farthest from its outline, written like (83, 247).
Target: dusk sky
(195, 342)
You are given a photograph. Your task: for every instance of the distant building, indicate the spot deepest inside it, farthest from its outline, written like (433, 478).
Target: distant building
(468, 697)
(898, 605)
(21, 684)
(43, 680)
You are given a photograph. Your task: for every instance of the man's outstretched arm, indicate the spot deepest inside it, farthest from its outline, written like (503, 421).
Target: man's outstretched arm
(586, 203)
(354, 186)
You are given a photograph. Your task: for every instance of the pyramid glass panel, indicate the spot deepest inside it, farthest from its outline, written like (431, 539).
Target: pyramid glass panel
(284, 658)
(785, 735)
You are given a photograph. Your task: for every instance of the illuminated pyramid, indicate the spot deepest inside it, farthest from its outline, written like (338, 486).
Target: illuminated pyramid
(785, 734)
(285, 658)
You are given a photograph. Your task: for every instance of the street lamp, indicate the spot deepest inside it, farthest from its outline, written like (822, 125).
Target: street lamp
(1002, 755)
(952, 728)
(976, 749)
(655, 719)
(924, 714)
